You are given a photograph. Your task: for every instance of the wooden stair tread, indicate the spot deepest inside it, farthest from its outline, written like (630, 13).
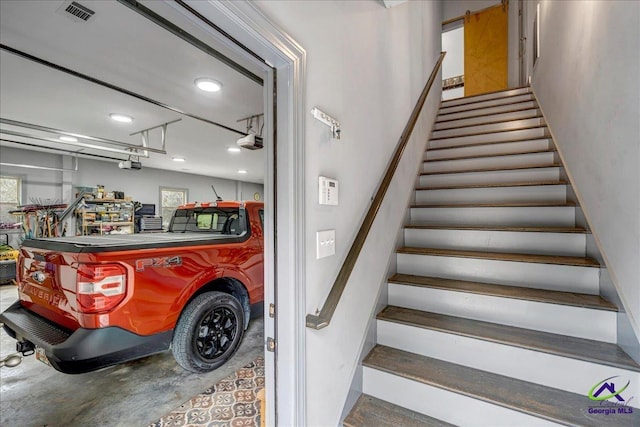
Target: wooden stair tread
(488, 132)
(466, 110)
(537, 116)
(498, 205)
(373, 412)
(495, 169)
(514, 110)
(492, 143)
(493, 92)
(446, 159)
(561, 345)
(469, 100)
(506, 291)
(575, 230)
(493, 185)
(504, 256)
(534, 399)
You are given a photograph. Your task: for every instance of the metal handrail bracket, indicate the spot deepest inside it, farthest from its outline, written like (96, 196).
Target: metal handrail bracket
(323, 318)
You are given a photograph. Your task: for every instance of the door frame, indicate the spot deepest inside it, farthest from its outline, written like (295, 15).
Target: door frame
(284, 190)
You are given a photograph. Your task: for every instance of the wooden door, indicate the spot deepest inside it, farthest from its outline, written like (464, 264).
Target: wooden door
(485, 50)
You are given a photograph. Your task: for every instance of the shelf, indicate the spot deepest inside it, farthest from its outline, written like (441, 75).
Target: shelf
(98, 223)
(98, 214)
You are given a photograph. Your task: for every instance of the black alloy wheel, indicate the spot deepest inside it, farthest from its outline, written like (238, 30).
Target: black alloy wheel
(208, 332)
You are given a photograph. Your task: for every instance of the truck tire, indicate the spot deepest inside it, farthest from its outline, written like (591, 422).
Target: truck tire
(208, 332)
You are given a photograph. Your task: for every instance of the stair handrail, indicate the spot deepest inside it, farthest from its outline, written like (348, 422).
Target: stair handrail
(323, 317)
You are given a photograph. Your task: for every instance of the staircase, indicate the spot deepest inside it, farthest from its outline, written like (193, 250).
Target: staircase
(494, 316)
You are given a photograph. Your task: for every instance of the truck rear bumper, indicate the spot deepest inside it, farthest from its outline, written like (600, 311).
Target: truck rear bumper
(82, 350)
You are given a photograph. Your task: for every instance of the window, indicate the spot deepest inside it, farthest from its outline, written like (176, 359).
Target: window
(10, 191)
(227, 221)
(170, 199)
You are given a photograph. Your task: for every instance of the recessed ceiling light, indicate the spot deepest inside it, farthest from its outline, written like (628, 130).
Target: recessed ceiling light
(233, 149)
(208, 85)
(123, 118)
(68, 138)
(242, 171)
(178, 159)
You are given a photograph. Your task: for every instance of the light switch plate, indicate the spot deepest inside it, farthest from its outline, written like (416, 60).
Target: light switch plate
(325, 243)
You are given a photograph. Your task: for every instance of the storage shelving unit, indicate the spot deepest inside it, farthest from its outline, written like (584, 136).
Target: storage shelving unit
(105, 216)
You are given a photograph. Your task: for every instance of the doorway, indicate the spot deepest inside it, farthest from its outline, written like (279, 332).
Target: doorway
(156, 63)
(477, 47)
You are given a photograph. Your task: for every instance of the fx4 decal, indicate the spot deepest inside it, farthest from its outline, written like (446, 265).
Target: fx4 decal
(162, 262)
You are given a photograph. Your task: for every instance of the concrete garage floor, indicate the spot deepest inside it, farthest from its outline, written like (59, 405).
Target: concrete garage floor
(133, 394)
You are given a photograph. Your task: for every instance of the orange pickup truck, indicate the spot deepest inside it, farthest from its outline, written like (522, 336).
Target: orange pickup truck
(87, 302)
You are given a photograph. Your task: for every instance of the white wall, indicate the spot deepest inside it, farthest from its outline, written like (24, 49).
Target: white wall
(366, 66)
(143, 185)
(587, 83)
(36, 183)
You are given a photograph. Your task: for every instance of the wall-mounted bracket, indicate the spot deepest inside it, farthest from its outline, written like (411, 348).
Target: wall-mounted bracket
(327, 120)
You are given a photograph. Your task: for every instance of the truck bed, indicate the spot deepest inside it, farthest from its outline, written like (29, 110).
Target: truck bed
(108, 243)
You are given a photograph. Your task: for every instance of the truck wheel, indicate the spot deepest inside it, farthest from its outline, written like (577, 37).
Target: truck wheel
(208, 332)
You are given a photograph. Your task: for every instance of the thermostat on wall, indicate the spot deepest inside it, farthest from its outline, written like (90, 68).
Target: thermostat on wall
(328, 191)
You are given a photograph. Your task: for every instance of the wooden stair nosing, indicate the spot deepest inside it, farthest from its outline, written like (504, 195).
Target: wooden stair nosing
(494, 185)
(490, 93)
(495, 122)
(441, 113)
(440, 138)
(479, 144)
(499, 205)
(370, 411)
(482, 156)
(517, 229)
(495, 169)
(537, 400)
(573, 299)
(503, 256)
(560, 345)
(517, 110)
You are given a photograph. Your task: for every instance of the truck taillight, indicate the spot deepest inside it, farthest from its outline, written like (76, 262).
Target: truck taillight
(100, 287)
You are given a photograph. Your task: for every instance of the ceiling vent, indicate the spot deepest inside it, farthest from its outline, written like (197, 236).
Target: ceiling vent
(75, 11)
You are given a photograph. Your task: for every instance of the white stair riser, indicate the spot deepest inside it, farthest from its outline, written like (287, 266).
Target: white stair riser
(476, 106)
(488, 149)
(487, 96)
(511, 135)
(533, 193)
(533, 159)
(543, 243)
(442, 404)
(559, 216)
(490, 177)
(489, 127)
(514, 115)
(487, 110)
(580, 322)
(572, 375)
(567, 278)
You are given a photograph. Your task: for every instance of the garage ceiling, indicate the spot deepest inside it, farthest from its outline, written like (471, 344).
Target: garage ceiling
(119, 46)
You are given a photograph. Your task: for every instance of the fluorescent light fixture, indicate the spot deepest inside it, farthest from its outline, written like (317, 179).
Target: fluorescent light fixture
(207, 84)
(234, 149)
(68, 138)
(123, 118)
(242, 171)
(178, 159)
